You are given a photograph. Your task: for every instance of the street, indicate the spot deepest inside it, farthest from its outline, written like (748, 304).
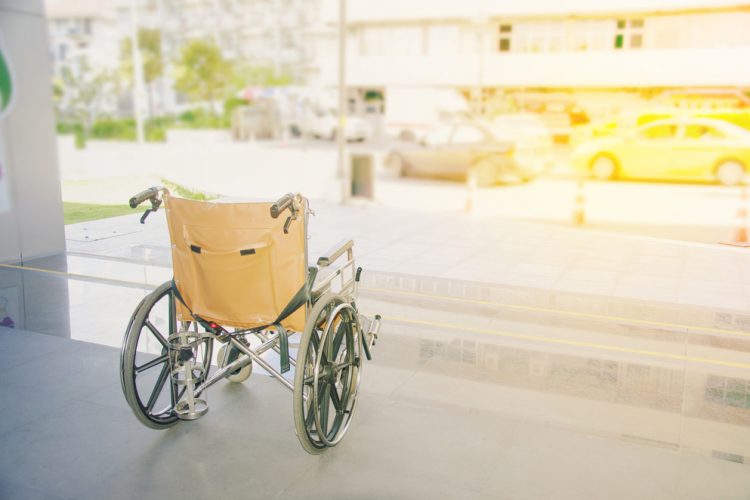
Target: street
(110, 172)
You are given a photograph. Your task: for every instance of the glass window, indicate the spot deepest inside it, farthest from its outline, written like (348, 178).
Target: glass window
(702, 132)
(437, 137)
(465, 134)
(666, 131)
(504, 36)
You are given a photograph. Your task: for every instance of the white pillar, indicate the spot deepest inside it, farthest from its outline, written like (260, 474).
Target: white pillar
(31, 219)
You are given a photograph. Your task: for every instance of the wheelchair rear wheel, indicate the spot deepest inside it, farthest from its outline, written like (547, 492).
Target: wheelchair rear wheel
(145, 364)
(327, 374)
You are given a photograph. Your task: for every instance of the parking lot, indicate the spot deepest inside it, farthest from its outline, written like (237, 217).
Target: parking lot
(110, 172)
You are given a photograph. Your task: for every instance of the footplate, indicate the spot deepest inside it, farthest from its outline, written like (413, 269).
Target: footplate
(186, 372)
(370, 329)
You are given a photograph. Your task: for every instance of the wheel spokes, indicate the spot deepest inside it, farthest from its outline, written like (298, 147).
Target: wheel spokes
(335, 399)
(157, 334)
(150, 364)
(163, 376)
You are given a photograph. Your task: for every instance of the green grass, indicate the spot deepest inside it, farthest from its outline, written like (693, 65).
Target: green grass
(184, 192)
(82, 212)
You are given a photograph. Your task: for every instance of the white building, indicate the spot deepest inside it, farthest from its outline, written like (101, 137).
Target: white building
(544, 43)
(84, 47)
(481, 46)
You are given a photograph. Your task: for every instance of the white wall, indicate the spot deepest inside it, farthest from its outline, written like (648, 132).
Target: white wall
(33, 226)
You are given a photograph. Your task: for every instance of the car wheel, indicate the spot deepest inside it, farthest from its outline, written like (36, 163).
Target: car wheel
(395, 164)
(730, 173)
(483, 173)
(603, 168)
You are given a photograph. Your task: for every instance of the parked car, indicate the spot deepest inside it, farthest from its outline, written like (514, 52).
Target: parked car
(323, 124)
(262, 120)
(671, 149)
(533, 143)
(450, 151)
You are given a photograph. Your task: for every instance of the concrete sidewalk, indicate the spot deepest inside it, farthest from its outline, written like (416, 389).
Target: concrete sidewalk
(487, 250)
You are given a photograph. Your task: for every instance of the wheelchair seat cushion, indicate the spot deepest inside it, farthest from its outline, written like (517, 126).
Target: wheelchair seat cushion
(233, 263)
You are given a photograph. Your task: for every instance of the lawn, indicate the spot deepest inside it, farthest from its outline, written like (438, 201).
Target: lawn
(82, 212)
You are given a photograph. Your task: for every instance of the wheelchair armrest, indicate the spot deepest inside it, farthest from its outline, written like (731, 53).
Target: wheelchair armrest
(334, 253)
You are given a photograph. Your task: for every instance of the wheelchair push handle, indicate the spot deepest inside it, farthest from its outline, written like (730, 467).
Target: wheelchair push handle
(152, 194)
(146, 194)
(282, 204)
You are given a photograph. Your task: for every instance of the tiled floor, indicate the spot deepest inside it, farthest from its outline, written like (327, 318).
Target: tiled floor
(516, 361)
(489, 250)
(487, 399)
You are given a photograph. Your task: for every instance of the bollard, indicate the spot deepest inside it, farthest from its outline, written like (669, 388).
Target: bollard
(471, 187)
(579, 210)
(739, 237)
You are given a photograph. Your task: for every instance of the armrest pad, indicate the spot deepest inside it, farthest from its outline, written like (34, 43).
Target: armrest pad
(335, 252)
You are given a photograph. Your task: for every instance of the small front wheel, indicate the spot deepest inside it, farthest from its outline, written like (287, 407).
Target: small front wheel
(224, 358)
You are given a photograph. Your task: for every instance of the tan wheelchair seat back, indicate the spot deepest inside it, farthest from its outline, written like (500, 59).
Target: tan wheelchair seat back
(233, 264)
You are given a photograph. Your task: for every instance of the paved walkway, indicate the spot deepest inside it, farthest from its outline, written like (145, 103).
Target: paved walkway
(488, 250)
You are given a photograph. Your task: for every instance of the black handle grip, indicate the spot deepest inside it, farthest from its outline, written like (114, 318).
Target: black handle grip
(282, 204)
(143, 196)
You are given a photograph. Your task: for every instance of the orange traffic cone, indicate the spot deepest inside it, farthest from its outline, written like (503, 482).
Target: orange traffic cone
(740, 233)
(471, 189)
(579, 210)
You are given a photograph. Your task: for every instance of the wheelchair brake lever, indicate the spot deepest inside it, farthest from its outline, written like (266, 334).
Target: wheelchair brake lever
(146, 214)
(287, 224)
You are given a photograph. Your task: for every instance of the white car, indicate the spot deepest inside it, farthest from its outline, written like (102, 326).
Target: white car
(324, 124)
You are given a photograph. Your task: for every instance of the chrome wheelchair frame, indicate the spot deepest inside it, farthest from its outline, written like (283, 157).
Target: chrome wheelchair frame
(327, 366)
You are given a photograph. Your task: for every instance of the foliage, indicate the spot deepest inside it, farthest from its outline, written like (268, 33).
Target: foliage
(201, 72)
(82, 212)
(185, 192)
(200, 118)
(261, 76)
(230, 103)
(149, 43)
(124, 130)
(82, 95)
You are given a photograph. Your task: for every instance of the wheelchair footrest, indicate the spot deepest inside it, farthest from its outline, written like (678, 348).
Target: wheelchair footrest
(370, 329)
(185, 411)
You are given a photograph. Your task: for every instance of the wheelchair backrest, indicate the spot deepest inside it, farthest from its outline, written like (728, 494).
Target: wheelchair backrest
(233, 263)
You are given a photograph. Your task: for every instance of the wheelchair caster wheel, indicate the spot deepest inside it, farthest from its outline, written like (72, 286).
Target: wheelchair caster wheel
(237, 376)
(183, 411)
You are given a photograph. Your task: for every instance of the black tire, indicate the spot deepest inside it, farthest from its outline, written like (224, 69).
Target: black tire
(483, 173)
(730, 172)
(145, 348)
(603, 167)
(339, 374)
(395, 162)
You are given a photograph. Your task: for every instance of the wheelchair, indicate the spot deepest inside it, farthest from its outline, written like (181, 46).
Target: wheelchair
(241, 278)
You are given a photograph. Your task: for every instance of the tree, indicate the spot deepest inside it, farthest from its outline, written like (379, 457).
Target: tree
(149, 43)
(263, 76)
(202, 73)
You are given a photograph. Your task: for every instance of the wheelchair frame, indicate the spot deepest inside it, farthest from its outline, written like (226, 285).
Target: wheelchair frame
(328, 364)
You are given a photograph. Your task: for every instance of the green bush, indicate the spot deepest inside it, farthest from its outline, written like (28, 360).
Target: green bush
(200, 118)
(230, 104)
(123, 130)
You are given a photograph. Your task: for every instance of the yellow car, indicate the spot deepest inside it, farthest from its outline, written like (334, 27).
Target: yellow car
(698, 149)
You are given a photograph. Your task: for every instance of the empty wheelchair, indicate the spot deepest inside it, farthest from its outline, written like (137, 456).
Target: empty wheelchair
(241, 278)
